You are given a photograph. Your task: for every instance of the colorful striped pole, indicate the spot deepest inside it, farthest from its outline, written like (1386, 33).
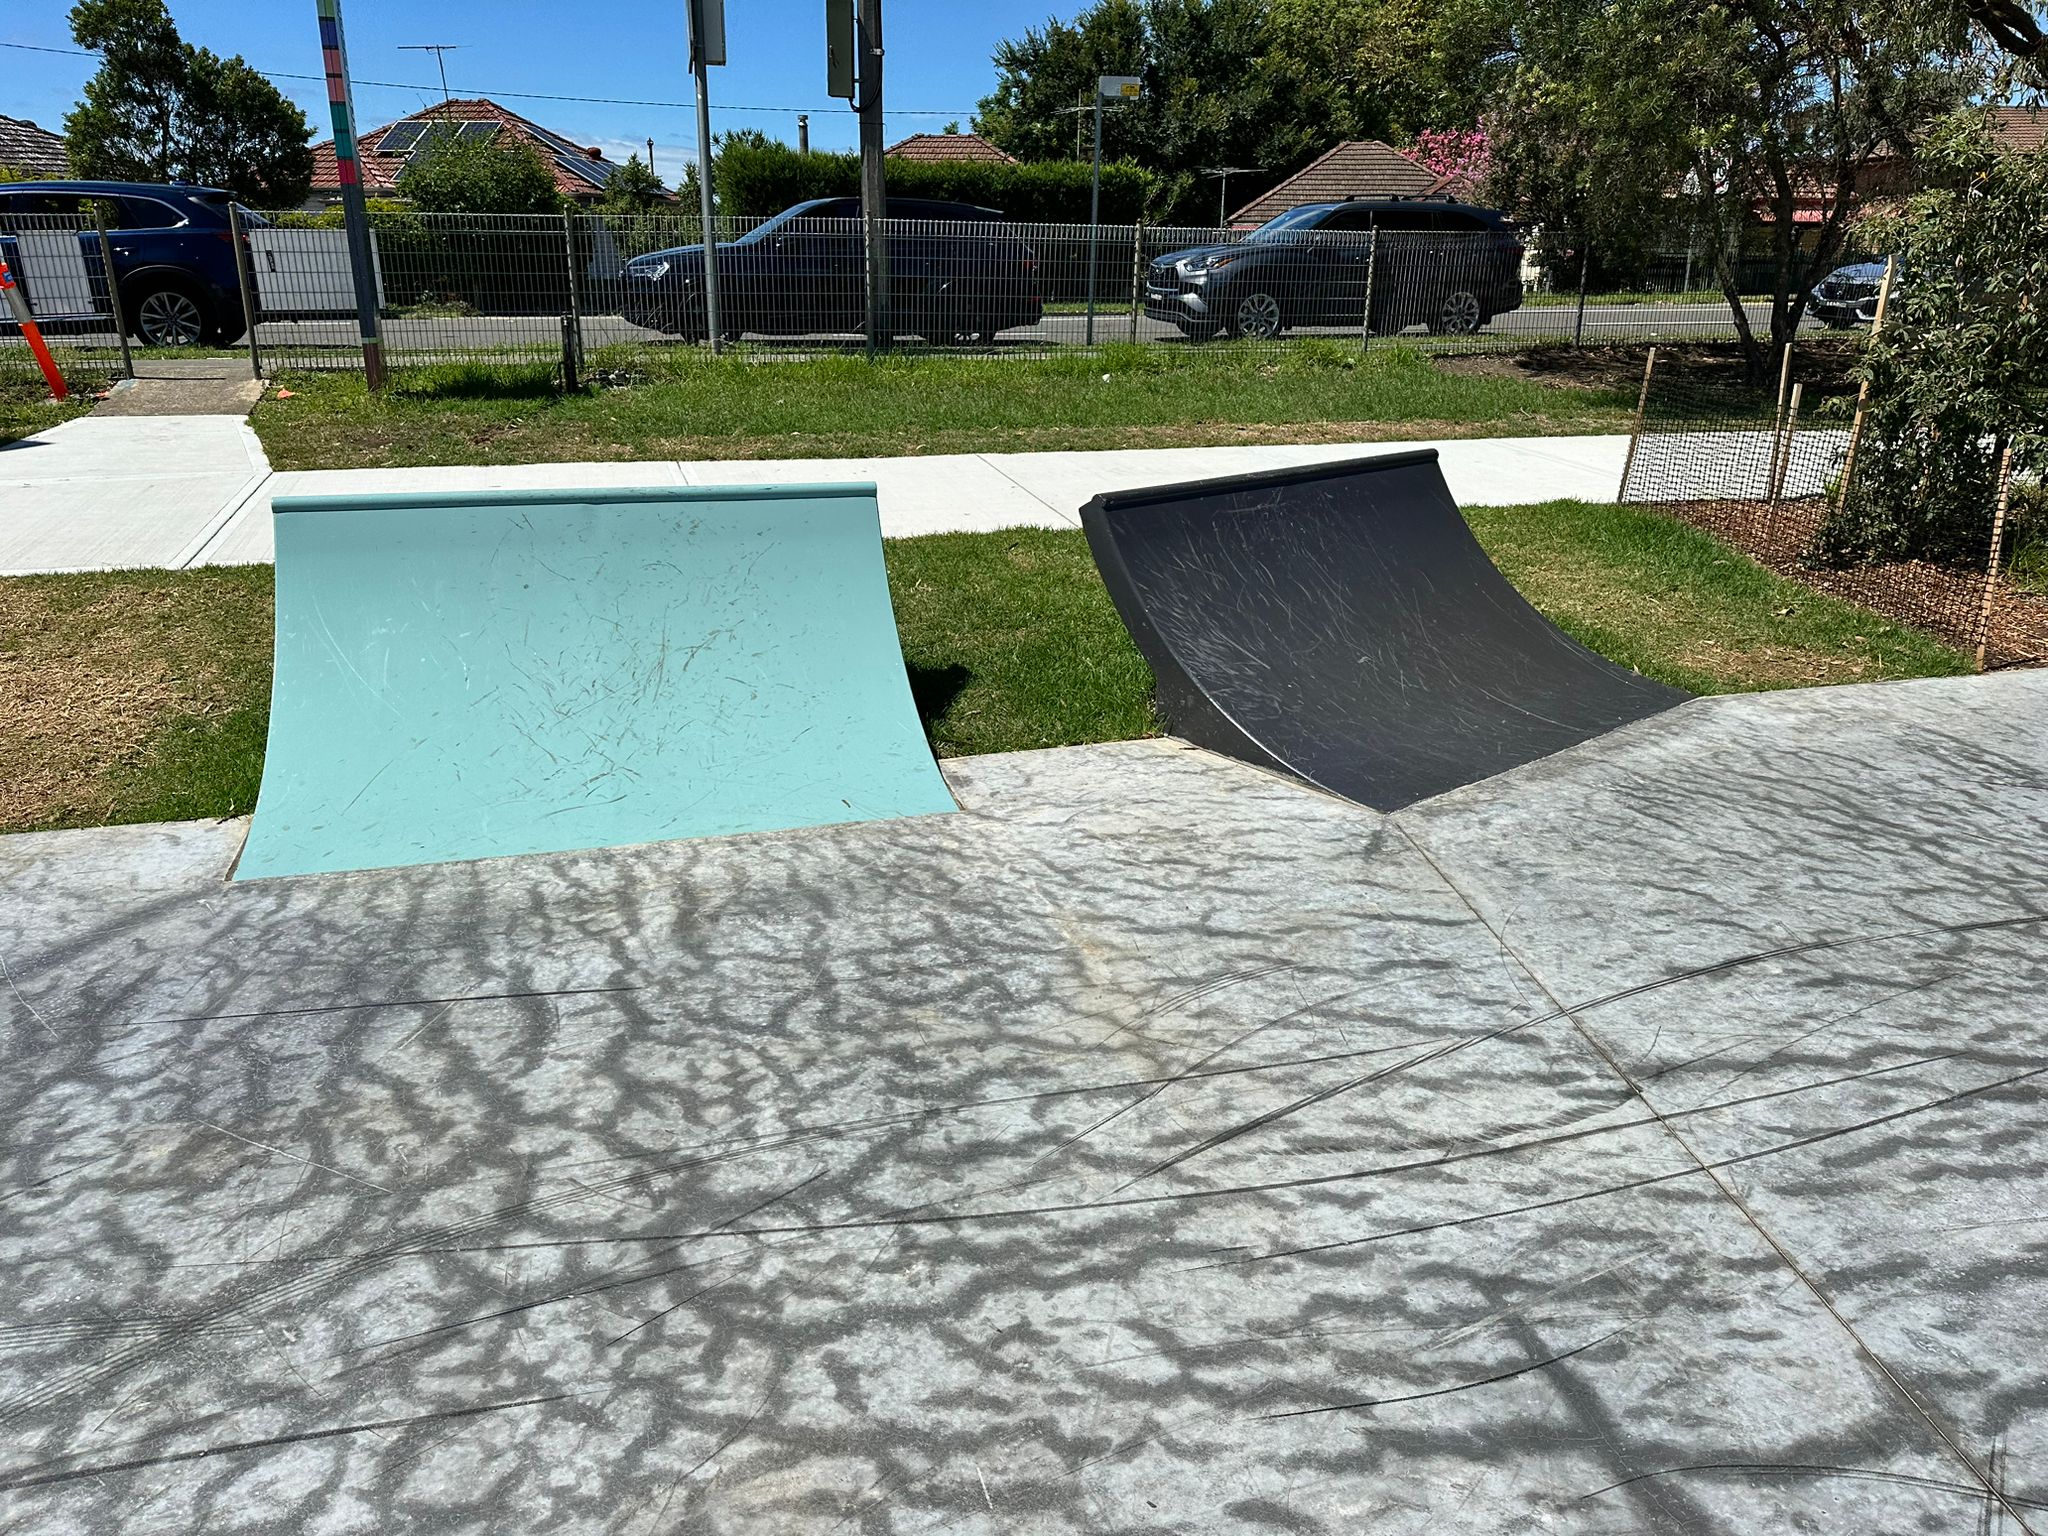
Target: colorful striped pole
(23, 317)
(334, 55)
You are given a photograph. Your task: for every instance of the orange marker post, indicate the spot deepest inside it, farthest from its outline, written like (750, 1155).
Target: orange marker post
(18, 302)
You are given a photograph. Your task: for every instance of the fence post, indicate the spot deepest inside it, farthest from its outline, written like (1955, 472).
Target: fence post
(247, 278)
(1636, 430)
(1774, 476)
(572, 322)
(1372, 264)
(1137, 274)
(1585, 261)
(99, 223)
(1783, 470)
(1997, 540)
(1884, 297)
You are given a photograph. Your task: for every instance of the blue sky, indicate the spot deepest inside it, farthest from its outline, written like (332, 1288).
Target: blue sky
(938, 59)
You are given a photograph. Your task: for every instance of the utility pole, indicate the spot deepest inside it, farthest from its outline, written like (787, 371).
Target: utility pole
(874, 206)
(650, 155)
(438, 50)
(348, 171)
(707, 47)
(1120, 87)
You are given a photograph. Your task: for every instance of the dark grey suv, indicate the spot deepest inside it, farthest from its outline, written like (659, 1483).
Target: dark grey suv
(1449, 266)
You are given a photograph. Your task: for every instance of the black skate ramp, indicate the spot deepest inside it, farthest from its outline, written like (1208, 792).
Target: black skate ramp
(1339, 623)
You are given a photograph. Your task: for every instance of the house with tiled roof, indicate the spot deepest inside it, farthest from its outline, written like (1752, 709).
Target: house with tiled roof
(581, 172)
(1357, 168)
(949, 146)
(33, 153)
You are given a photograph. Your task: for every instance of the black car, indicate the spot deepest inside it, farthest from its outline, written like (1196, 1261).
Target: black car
(1848, 295)
(1449, 266)
(956, 272)
(173, 250)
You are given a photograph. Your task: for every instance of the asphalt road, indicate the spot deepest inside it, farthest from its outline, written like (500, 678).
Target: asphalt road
(1603, 323)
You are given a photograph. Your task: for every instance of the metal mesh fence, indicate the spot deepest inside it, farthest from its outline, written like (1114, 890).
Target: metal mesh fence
(472, 288)
(1762, 470)
(61, 268)
(594, 291)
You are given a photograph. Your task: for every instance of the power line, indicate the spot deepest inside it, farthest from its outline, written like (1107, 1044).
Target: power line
(606, 101)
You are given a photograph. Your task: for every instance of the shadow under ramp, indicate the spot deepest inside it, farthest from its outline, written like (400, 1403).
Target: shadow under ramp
(1338, 622)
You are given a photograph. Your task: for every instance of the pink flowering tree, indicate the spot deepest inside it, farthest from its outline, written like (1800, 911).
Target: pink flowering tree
(1466, 153)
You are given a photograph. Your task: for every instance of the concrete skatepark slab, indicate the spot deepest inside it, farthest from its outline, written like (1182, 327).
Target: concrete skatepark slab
(498, 672)
(1340, 623)
(1645, 1140)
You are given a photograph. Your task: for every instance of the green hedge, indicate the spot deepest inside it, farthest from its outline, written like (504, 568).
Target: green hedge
(757, 180)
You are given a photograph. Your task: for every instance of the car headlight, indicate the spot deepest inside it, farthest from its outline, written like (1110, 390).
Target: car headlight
(649, 271)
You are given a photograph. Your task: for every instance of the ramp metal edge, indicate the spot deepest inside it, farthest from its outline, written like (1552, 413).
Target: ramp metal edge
(388, 501)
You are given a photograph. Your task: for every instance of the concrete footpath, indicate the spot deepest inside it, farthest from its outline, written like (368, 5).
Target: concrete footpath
(180, 491)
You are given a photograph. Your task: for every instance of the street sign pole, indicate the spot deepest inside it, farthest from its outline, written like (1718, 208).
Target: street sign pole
(341, 108)
(707, 47)
(874, 192)
(1116, 87)
(1094, 214)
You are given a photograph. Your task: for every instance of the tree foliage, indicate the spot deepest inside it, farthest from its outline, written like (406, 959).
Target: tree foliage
(1961, 367)
(1623, 119)
(159, 109)
(755, 179)
(454, 175)
(1259, 84)
(633, 188)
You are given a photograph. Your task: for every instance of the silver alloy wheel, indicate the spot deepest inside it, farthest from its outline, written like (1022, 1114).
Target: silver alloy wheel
(168, 318)
(1460, 315)
(1258, 317)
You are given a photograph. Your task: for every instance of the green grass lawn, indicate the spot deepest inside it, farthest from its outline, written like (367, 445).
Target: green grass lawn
(687, 405)
(144, 695)
(26, 407)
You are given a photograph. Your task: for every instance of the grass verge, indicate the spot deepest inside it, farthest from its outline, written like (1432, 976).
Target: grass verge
(26, 407)
(132, 695)
(686, 405)
(143, 696)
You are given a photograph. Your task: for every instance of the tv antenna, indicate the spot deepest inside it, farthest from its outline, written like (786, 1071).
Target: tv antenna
(1223, 173)
(440, 52)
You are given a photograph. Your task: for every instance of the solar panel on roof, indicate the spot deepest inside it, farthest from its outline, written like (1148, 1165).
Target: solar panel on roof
(596, 172)
(471, 132)
(401, 139)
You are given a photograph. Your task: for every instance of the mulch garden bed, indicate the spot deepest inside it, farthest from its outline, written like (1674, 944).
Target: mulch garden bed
(1939, 599)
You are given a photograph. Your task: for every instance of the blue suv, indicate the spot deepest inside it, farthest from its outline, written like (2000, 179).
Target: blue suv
(174, 256)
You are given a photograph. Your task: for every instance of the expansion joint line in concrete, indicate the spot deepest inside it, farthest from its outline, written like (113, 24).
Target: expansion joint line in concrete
(1951, 1442)
(1066, 516)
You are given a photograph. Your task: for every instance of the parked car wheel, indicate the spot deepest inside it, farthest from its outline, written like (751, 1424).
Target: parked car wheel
(170, 316)
(1256, 317)
(1460, 314)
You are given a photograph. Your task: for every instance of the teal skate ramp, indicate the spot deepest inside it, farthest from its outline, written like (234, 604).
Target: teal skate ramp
(469, 675)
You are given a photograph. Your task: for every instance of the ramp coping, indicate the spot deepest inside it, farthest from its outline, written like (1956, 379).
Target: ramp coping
(1286, 474)
(388, 501)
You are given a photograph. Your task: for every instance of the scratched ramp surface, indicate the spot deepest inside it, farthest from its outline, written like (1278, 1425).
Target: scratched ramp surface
(1340, 623)
(1155, 1146)
(470, 675)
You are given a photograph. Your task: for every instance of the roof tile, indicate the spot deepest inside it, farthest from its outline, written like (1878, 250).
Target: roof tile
(380, 171)
(35, 151)
(1358, 168)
